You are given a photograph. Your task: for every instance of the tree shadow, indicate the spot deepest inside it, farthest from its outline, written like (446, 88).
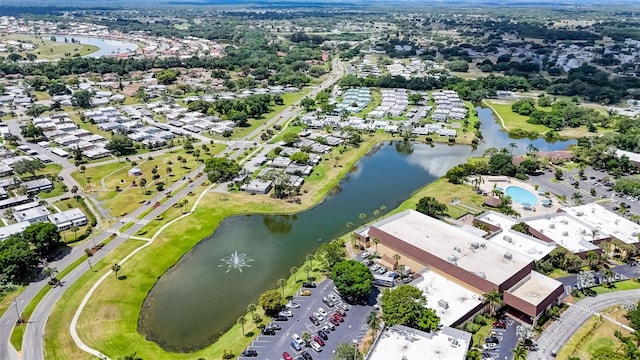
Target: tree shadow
(249, 334)
(122, 277)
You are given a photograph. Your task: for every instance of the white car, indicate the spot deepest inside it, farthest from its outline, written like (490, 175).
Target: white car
(297, 339)
(365, 255)
(489, 346)
(318, 316)
(375, 267)
(334, 298)
(322, 312)
(315, 346)
(288, 313)
(293, 305)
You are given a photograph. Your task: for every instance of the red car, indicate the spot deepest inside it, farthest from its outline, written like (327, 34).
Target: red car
(499, 325)
(334, 321)
(286, 356)
(318, 340)
(338, 317)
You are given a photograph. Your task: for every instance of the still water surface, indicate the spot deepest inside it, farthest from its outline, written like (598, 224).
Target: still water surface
(198, 299)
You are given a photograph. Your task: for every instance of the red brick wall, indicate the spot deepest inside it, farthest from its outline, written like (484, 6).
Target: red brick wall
(519, 304)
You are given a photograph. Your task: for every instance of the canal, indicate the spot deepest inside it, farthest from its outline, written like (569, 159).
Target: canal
(203, 295)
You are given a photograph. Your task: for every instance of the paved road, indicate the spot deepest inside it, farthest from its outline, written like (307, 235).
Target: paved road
(561, 331)
(33, 339)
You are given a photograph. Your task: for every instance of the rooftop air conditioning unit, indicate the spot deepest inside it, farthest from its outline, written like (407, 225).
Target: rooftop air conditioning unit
(565, 233)
(452, 259)
(506, 238)
(443, 304)
(508, 255)
(483, 245)
(579, 213)
(552, 226)
(475, 245)
(565, 222)
(455, 248)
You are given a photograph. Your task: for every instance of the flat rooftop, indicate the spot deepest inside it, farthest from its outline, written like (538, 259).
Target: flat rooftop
(460, 300)
(523, 244)
(606, 221)
(567, 231)
(467, 251)
(400, 342)
(496, 219)
(535, 288)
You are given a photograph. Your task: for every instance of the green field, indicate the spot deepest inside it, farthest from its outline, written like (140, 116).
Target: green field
(502, 108)
(47, 49)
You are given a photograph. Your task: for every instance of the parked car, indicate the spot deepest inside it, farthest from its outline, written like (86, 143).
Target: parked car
(492, 339)
(322, 311)
(249, 353)
(499, 325)
(318, 316)
(375, 267)
(323, 335)
(365, 255)
(305, 293)
(334, 298)
(368, 262)
(293, 305)
(329, 326)
(297, 338)
(274, 327)
(308, 284)
(281, 318)
(318, 340)
(345, 306)
(338, 317)
(341, 312)
(288, 313)
(314, 320)
(268, 331)
(315, 346)
(306, 356)
(489, 346)
(286, 356)
(327, 302)
(334, 321)
(295, 345)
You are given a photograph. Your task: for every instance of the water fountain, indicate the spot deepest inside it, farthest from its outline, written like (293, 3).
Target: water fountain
(235, 261)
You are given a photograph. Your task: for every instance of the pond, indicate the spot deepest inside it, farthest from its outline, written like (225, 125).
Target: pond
(107, 47)
(203, 295)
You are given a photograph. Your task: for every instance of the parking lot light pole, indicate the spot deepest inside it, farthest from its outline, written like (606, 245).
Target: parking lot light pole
(355, 349)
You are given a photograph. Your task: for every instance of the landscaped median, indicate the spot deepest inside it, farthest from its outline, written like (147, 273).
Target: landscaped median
(109, 322)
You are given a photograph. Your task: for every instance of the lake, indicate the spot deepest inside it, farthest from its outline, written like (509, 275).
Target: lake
(202, 295)
(107, 47)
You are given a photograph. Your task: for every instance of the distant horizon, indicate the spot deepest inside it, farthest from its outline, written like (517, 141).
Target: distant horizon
(315, 3)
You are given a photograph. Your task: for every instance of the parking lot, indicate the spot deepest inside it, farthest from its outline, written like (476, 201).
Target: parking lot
(507, 341)
(354, 327)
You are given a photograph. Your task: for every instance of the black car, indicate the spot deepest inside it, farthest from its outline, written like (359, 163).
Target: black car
(492, 339)
(268, 331)
(368, 262)
(249, 353)
(306, 356)
(314, 320)
(322, 335)
(310, 285)
(281, 318)
(327, 302)
(274, 327)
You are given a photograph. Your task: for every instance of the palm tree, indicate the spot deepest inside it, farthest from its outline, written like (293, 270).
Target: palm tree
(251, 308)
(282, 283)
(241, 321)
(396, 257)
(511, 147)
(608, 275)
(74, 190)
(293, 272)
(576, 197)
(310, 259)
(519, 353)
(374, 323)
(349, 225)
(383, 209)
(375, 242)
(494, 298)
(115, 268)
(143, 184)
(75, 231)
(636, 337)
(49, 272)
(183, 204)
(307, 268)
(592, 258)
(376, 213)
(362, 216)
(131, 356)
(532, 150)
(306, 337)
(89, 255)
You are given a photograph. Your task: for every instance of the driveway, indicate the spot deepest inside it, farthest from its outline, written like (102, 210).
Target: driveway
(562, 330)
(354, 327)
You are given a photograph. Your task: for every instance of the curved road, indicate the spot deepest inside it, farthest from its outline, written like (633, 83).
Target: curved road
(561, 331)
(33, 340)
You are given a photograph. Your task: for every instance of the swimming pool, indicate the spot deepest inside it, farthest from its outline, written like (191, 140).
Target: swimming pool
(522, 196)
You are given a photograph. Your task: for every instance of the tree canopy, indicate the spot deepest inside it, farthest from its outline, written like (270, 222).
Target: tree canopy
(121, 144)
(28, 166)
(406, 305)
(432, 207)
(221, 169)
(271, 301)
(353, 280)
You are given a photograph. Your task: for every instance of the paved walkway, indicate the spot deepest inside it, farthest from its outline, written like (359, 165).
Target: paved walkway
(562, 330)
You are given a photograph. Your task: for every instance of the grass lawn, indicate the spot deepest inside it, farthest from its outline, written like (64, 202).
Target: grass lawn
(47, 49)
(502, 108)
(58, 189)
(42, 95)
(594, 334)
(6, 300)
(618, 286)
(558, 273)
(290, 129)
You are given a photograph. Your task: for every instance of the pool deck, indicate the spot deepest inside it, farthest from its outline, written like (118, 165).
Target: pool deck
(504, 182)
